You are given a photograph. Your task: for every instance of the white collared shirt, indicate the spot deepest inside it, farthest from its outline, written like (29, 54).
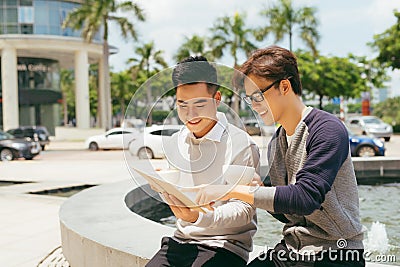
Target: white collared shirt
(231, 224)
(200, 160)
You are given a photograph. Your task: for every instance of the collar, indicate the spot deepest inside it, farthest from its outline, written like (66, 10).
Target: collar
(216, 132)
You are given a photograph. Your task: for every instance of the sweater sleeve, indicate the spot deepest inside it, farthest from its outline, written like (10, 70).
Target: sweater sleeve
(327, 148)
(234, 213)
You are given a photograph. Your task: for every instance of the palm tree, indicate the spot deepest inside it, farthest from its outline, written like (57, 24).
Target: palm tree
(93, 17)
(196, 45)
(230, 33)
(149, 60)
(284, 19)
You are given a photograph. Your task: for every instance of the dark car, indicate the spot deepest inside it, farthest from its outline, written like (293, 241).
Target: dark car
(12, 148)
(38, 133)
(365, 146)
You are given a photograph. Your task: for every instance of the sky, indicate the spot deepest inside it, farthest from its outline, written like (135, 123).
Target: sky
(344, 26)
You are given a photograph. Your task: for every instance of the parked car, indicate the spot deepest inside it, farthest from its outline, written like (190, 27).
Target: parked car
(257, 127)
(116, 138)
(149, 142)
(13, 148)
(365, 146)
(370, 125)
(38, 133)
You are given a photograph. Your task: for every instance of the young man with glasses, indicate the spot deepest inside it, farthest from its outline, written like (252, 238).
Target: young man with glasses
(222, 236)
(313, 188)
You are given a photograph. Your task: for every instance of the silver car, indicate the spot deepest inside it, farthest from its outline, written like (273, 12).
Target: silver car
(370, 125)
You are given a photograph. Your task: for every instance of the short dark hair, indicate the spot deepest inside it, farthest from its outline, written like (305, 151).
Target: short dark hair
(195, 69)
(273, 63)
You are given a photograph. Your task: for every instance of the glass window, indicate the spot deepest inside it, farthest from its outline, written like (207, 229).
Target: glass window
(116, 133)
(38, 74)
(55, 30)
(41, 16)
(54, 17)
(54, 4)
(40, 4)
(11, 2)
(1, 15)
(63, 14)
(26, 28)
(41, 30)
(158, 132)
(25, 14)
(25, 2)
(169, 132)
(12, 29)
(12, 15)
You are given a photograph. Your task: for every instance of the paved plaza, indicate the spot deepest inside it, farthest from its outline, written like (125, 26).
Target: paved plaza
(29, 225)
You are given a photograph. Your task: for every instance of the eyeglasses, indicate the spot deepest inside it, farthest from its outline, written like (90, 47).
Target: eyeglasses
(259, 95)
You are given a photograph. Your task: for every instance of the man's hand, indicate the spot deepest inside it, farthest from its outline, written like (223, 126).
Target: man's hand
(211, 193)
(256, 180)
(180, 210)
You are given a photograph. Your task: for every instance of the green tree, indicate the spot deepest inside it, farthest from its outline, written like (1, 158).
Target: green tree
(284, 19)
(93, 89)
(149, 60)
(330, 76)
(354, 108)
(93, 17)
(387, 44)
(372, 71)
(389, 110)
(122, 89)
(195, 45)
(67, 85)
(230, 33)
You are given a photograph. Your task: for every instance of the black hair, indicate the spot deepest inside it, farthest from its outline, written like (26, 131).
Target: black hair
(195, 69)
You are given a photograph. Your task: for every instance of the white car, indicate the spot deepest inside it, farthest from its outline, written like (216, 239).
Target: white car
(150, 143)
(370, 125)
(116, 138)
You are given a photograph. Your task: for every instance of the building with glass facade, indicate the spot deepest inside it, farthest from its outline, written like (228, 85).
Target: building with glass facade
(34, 47)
